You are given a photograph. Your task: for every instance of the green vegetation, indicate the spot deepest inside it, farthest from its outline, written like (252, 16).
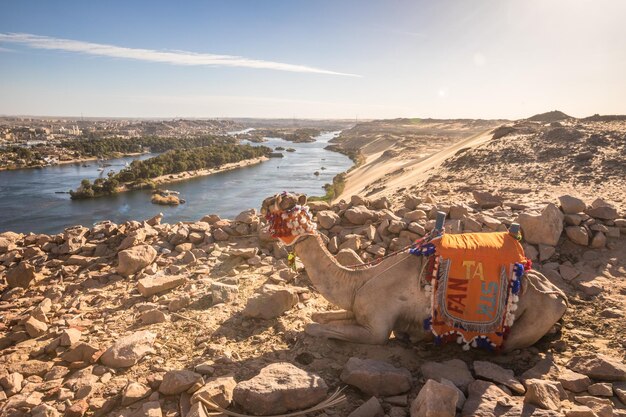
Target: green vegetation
(332, 190)
(139, 173)
(105, 147)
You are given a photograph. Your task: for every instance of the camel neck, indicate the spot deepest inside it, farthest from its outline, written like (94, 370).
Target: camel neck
(336, 283)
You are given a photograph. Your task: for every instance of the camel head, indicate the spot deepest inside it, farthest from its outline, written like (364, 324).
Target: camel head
(288, 217)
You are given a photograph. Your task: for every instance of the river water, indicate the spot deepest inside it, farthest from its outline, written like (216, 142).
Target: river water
(29, 201)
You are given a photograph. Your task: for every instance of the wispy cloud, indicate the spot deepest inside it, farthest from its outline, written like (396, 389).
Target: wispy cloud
(166, 57)
(5, 49)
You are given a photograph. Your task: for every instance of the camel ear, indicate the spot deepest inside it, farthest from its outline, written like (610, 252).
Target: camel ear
(302, 199)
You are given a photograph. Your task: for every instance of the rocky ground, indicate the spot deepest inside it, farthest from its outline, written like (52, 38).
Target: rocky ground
(147, 319)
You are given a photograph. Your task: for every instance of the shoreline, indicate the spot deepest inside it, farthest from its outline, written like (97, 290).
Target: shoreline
(188, 175)
(72, 161)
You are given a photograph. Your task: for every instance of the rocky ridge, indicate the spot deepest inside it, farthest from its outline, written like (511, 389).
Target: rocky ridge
(145, 318)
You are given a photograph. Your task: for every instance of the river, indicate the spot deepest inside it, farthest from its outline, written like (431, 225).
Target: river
(29, 201)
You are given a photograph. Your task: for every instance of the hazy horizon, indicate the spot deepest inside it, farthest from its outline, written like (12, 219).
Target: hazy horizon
(322, 60)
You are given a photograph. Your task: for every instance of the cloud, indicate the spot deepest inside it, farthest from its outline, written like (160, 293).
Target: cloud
(166, 57)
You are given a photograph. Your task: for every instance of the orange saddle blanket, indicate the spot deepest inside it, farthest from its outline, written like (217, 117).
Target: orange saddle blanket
(475, 282)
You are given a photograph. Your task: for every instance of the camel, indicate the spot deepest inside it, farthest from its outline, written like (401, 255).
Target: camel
(378, 300)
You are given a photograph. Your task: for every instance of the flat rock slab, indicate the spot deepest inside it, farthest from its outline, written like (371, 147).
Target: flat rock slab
(598, 366)
(153, 285)
(376, 378)
(499, 375)
(175, 382)
(279, 388)
(454, 370)
(128, 350)
(271, 302)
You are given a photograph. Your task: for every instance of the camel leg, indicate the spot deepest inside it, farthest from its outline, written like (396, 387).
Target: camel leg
(328, 316)
(534, 323)
(349, 332)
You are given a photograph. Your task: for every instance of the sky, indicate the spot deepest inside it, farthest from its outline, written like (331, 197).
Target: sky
(316, 59)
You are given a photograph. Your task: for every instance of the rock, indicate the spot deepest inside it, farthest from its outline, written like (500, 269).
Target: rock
(69, 336)
(482, 399)
(12, 383)
(370, 408)
(415, 215)
(544, 394)
(412, 201)
(460, 395)
(360, 215)
(572, 205)
(376, 377)
(578, 235)
(598, 240)
(44, 410)
(175, 382)
(327, 219)
(134, 259)
(21, 276)
(542, 228)
(149, 409)
(611, 313)
(573, 381)
(568, 272)
(218, 390)
(435, 400)
(620, 391)
(487, 200)
(247, 216)
(78, 409)
(352, 242)
(602, 407)
(573, 219)
(156, 220)
(179, 303)
(223, 293)
(544, 369)
(454, 370)
(150, 286)
(82, 352)
(134, 392)
(128, 350)
(348, 257)
(497, 374)
(601, 209)
(279, 388)
(601, 389)
(220, 235)
(580, 411)
(152, 317)
(271, 302)
(590, 288)
(546, 252)
(34, 327)
(598, 366)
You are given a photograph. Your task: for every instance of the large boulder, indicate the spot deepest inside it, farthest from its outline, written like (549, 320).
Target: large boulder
(134, 259)
(21, 276)
(543, 394)
(486, 200)
(218, 390)
(128, 350)
(599, 366)
(601, 209)
(360, 215)
(454, 370)
(327, 219)
(544, 228)
(492, 372)
(271, 302)
(175, 382)
(572, 205)
(376, 377)
(435, 400)
(280, 388)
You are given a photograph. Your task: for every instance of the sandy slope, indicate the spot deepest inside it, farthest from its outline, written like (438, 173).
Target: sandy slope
(384, 173)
